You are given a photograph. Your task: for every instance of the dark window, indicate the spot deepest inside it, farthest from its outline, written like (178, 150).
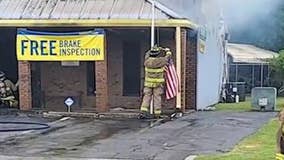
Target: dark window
(36, 85)
(131, 68)
(91, 79)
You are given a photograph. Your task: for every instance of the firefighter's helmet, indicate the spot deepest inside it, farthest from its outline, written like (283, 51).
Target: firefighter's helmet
(155, 50)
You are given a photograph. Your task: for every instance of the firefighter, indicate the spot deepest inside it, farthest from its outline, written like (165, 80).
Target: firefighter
(7, 91)
(154, 81)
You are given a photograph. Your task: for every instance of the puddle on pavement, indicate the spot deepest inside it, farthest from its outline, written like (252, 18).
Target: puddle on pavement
(191, 122)
(107, 129)
(121, 126)
(59, 151)
(105, 133)
(92, 132)
(52, 129)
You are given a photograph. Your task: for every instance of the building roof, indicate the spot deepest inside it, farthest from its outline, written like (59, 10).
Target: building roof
(244, 53)
(83, 9)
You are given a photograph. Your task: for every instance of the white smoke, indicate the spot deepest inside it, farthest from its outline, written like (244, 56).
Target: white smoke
(248, 21)
(241, 13)
(237, 13)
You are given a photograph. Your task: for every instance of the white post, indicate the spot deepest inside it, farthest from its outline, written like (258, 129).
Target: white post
(268, 76)
(261, 75)
(153, 25)
(178, 62)
(69, 109)
(237, 67)
(152, 44)
(253, 83)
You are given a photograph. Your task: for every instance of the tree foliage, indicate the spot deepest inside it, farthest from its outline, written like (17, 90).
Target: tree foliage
(277, 66)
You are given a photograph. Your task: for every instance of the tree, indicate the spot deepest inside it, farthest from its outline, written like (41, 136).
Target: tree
(277, 66)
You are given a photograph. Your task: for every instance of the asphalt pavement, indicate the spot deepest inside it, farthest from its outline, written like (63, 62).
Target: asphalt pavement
(69, 138)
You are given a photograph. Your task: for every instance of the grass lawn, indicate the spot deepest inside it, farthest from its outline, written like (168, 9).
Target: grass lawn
(259, 146)
(244, 106)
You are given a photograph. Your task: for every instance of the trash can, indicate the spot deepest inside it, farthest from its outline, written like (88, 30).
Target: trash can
(263, 98)
(233, 89)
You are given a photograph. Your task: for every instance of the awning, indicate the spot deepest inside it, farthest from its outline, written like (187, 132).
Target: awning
(33, 13)
(244, 53)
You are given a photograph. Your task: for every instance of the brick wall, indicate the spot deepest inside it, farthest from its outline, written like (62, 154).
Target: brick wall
(25, 92)
(191, 70)
(184, 70)
(102, 78)
(59, 82)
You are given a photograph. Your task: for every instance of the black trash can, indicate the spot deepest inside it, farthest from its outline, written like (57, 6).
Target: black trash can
(233, 89)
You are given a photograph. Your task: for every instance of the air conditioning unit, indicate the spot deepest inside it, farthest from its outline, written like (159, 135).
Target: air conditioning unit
(263, 98)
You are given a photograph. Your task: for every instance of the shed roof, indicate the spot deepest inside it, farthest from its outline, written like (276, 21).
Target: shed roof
(83, 9)
(244, 53)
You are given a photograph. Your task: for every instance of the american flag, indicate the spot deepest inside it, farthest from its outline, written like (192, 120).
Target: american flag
(172, 81)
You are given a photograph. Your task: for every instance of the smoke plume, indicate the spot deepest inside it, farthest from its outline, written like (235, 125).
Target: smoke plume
(253, 21)
(248, 21)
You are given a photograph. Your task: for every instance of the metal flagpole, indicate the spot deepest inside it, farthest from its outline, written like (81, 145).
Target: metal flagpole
(237, 69)
(153, 24)
(261, 75)
(152, 44)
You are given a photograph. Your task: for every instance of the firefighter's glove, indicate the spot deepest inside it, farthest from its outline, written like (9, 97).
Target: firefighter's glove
(168, 53)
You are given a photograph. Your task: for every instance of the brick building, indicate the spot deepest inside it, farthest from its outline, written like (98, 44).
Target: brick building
(117, 81)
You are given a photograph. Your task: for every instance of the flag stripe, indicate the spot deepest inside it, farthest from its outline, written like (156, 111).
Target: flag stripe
(170, 87)
(172, 81)
(173, 73)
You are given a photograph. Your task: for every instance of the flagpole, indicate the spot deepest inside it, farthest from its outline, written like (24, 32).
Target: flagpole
(152, 44)
(153, 24)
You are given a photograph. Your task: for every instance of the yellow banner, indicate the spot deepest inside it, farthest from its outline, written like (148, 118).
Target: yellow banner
(46, 46)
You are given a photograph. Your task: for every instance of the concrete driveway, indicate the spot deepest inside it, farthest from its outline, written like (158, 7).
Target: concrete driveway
(197, 133)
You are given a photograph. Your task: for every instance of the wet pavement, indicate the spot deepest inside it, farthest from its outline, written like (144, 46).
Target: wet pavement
(197, 133)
